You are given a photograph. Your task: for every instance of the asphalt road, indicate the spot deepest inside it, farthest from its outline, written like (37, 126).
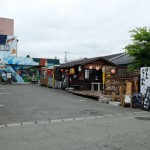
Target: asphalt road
(26, 103)
(38, 118)
(112, 132)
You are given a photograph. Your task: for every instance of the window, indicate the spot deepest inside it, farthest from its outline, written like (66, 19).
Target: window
(7, 47)
(93, 74)
(86, 74)
(4, 47)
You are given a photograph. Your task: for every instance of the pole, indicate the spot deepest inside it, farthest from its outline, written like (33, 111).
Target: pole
(103, 71)
(65, 57)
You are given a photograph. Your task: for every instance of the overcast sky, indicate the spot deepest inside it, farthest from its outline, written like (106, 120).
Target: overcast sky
(83, 28)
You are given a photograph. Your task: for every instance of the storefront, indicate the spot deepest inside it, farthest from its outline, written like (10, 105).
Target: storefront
(87, 74)
(22, 69)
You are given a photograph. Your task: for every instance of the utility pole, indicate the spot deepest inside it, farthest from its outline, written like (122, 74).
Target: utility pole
(65, 60)
(17, 47)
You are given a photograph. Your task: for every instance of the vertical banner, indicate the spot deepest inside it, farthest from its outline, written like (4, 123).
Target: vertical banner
(144, 79)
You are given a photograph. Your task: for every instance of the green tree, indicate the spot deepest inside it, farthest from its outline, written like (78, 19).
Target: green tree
(140, 48)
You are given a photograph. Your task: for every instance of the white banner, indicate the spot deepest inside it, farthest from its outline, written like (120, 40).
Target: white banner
(145, 79)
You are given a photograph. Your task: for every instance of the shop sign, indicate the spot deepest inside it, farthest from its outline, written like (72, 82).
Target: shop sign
(8, 75)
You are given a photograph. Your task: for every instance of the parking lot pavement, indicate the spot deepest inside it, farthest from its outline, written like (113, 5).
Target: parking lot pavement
(109, 132)
(38, 118)
(32, 103)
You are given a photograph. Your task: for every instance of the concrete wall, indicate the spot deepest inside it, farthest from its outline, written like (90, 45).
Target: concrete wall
(6, 26)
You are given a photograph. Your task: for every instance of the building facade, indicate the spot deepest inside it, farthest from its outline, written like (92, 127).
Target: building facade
(6, 26)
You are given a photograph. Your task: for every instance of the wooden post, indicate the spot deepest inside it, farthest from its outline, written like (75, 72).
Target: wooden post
(103, 79)
(136, 85)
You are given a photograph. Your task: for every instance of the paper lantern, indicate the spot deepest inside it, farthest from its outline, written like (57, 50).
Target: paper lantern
(72, 71)
(49, 72)
(113, 71)
(97, 68)
(66, 70)
(90, 67)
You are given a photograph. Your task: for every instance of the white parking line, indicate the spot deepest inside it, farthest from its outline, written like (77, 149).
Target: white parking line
(27, 123)
(13, 125)
(56, 121)
(68, 119)
(5, 93)
(82, 100)
(118, 114)
(80, 118)
(91, 117)
(140, 112)
(128, 118)
(1, 105)
(2, 88)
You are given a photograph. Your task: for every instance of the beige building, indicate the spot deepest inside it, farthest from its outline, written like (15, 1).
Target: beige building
(6, 26)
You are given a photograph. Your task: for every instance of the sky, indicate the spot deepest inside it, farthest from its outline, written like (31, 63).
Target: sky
(82, 28)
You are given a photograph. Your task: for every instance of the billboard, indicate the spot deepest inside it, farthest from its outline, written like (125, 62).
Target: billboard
(8, 46)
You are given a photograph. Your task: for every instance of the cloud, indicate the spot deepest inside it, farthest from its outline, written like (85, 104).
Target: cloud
(84, 28)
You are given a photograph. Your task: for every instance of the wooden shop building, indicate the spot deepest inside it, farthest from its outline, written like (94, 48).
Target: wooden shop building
(87, 74)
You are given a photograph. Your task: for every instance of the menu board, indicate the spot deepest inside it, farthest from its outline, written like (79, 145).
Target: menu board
(146, 102)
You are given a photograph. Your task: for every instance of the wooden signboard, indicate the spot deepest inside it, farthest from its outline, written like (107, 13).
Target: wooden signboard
(128, 95)
(129, 88)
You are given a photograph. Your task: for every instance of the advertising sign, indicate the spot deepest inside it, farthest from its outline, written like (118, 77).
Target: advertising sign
(145, 79)
(8, 75)
(146, 102)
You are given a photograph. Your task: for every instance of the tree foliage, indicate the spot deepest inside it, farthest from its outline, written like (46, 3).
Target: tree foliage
(140, 48)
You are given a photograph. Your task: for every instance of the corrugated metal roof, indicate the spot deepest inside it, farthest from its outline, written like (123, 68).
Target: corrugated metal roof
(123, 59)
(109, 57)
(83, 62)
(115, 59)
